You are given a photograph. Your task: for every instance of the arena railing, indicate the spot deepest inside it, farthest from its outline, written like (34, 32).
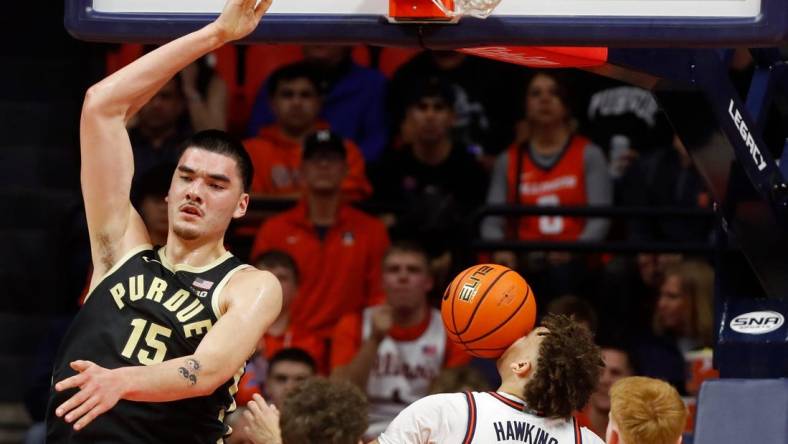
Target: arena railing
(261, 205)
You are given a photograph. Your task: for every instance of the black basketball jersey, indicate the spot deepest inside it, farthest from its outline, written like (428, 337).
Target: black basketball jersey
(143, 312)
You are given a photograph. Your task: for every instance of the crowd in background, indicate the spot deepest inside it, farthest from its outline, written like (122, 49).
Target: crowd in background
(371, 165)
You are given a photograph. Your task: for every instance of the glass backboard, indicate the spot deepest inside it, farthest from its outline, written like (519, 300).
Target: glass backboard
(514, 22)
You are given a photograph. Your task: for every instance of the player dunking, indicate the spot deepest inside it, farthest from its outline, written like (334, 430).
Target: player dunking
(545, 375)
(155, 353)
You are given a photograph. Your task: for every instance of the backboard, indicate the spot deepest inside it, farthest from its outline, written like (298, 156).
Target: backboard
(613, 23)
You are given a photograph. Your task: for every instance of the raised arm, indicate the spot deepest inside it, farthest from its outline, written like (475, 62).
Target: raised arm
(107, 161)
(357, 370)
(252, 301)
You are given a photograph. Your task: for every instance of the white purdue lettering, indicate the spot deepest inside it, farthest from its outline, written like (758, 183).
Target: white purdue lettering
(746, 136)
(136, 287)
(175, 301)
(156, 290)
(197, 328)
(117, 294)
(190, 311)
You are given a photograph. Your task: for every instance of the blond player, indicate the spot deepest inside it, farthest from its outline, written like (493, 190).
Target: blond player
(645, 411)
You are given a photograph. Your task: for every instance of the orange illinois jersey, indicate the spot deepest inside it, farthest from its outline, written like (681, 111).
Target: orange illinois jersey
(563, 184)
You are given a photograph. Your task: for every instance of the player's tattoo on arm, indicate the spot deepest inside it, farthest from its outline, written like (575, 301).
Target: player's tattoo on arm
(189, 370)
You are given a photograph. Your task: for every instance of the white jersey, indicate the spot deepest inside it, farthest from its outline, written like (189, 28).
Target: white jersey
(480, 418)
(403, 370)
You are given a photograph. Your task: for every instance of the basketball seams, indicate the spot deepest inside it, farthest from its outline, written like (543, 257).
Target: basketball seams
(481, 301)
(514, 312)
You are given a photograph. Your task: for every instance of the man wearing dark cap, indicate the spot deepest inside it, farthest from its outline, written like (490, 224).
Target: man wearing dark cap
(438, 179)
(337, 248)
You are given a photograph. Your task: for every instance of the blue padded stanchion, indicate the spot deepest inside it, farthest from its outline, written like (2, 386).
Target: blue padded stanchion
(736, 411)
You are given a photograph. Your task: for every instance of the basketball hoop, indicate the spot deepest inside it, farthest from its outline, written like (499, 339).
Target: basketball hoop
(474, 8)
(438, 11)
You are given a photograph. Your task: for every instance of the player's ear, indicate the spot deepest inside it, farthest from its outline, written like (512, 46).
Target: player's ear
(521, 367)
(243, 204)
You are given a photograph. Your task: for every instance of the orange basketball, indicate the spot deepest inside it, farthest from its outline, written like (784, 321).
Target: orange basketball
(486, 308)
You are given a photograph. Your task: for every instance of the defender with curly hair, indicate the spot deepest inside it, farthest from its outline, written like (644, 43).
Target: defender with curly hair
(546, 375)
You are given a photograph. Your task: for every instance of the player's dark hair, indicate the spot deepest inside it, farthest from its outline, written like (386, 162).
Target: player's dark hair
(293, 354)
(220, 142)
(293, 71)
(278, 258)
(319, 410)
(567, 369)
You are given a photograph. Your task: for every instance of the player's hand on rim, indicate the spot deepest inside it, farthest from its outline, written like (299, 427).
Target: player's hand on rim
(99, 390)
(240, 17)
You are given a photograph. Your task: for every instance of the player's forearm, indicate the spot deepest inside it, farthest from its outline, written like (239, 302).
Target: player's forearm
(179, 378)
(357, 371)
(125, 91)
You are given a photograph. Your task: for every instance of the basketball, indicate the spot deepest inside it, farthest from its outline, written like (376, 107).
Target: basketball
(486, 308)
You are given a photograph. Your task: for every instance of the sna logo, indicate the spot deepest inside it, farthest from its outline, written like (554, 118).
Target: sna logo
(757, 322)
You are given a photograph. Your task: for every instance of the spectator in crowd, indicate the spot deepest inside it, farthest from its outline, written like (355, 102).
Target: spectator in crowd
(160, 127)
(295, 101)
(437, 180)
(554, 166)
(678, 348)
(147, 195)
(206, 95)
(618, 364)
(240, 427)
(482, 97)
(685, 317)
(394, 351)
(578, 309)
(685, 305)
(337, 248)
(317, 411)
(354, 102)
(666, 177)
(628, 291)
(276, 377)
(287, 369)
(645, 411)
(625, 121)
(281, 334)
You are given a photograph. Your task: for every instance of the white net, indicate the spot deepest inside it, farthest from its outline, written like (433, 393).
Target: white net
(474, 8)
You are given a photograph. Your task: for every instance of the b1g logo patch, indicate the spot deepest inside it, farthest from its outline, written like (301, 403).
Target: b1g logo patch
(471, 287)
